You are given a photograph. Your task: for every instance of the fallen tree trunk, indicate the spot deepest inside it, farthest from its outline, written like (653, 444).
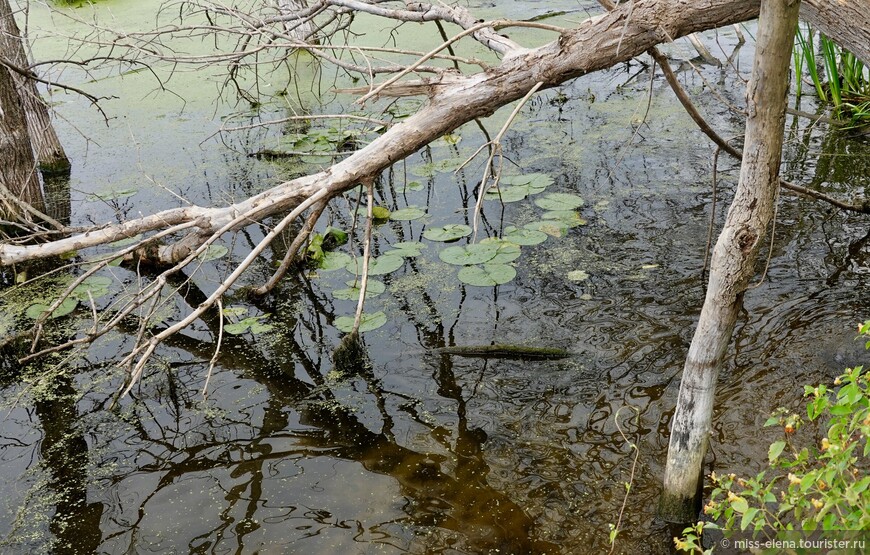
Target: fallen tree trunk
(847, 23)
(734, 256)
(595, 44)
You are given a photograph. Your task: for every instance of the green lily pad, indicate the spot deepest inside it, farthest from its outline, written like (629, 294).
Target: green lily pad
(447, 233)
(378, 212)
(513, 188)
(410, 186)
(97, 286)
(559, 201)
(408, 214)
(213, 252)
(506, 193)
(252, 324)
(536, 182)
(522, 236)
(367, 322)
(234, 311)
(112, 194)
(554, 228)
(506, 251)
(487, 275)
(334, 261)
(569, 218)
(380, 265)
(472, 254)
(36, 310)
(406, 249)
(373, 289)
(441, 166)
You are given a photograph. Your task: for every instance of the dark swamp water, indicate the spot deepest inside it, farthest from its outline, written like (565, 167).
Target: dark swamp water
(420, 451)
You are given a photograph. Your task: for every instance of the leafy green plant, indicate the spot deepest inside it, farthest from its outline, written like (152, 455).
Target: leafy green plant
(824, 487)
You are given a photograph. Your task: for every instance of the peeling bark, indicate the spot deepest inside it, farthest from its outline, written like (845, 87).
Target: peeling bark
(733, 260)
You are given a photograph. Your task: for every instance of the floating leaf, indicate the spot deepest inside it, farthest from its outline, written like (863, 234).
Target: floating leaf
(377, 266)
(578, 275)
(441, 166)
(468, 255)
(536, 182)
(506, 193)
(553, 228)
(367, 322)
(36, 310)
(334, 261)
(213, 252)
(411, 186)
(569, 218)
(522, 236)
(408, 214)
(378, 212)
(513, 188)
(487, 275)
(373, 289)
(406, 249)
(112, 194)
(559, 201)
(252, 323)
(506, 251)
(97, 286)
(450, 232)
(234, 311)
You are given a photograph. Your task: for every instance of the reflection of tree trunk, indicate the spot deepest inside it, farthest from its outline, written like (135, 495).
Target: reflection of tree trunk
(47, 148)
(76, 523)
(301, 28)
(733, 262)
(17, 169)
(57, 196)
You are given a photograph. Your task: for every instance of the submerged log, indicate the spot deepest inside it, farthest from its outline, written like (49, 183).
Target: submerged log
(734, 257)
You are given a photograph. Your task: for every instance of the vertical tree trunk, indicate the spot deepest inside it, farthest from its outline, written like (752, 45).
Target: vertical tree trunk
(734, 256)
(17, 168)
(47, 149)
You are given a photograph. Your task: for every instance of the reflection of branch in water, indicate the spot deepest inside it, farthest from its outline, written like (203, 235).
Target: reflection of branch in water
(76, 523)
(449, 502)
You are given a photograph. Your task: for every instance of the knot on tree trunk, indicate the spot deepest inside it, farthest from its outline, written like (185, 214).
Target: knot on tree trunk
(746, 240)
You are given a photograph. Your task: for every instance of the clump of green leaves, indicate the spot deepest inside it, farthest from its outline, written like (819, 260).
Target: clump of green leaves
(823, 487)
